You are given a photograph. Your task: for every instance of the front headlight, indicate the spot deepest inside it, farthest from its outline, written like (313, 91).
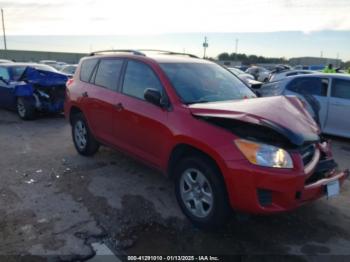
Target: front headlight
(264, 155)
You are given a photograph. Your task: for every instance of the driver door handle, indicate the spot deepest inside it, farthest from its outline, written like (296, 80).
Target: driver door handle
(85, 94)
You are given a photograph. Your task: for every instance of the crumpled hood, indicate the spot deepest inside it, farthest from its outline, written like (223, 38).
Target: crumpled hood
(43, 78)
(285, 115)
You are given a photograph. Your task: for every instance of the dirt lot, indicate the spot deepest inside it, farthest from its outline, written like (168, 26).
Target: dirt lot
(55, 202)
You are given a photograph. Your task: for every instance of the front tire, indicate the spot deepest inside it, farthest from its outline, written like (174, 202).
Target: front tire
(201, 192)
(84, 141)
(25, 108)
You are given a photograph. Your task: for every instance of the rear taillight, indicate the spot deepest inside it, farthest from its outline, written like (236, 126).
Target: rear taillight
(69, 82)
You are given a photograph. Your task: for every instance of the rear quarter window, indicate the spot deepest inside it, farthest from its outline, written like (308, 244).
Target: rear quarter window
(87, 67)
(309, 86)
(341, 88)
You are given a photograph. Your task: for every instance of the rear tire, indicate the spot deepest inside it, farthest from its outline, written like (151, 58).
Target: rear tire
(201, 192)
(84, 141)
(25, 108)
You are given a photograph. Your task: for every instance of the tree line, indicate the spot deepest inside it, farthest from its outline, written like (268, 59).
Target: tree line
(252, 59)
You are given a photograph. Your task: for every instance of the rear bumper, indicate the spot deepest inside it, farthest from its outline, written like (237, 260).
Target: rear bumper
(267, 190)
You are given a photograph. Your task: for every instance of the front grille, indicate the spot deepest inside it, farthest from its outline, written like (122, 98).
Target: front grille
(323, 169)
(264, 197)
(56, 93)
(307, 153)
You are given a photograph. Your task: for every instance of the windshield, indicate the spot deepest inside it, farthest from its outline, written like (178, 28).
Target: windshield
(202, 82)
(17, 71)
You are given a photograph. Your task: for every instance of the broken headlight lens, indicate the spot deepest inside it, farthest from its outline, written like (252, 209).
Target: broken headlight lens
(264, 155)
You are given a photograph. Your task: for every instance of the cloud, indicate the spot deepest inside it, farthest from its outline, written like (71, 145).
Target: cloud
(172, 16)
(26, 4)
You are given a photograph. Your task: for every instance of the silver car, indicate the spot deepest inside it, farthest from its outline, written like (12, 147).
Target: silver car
(280, 75)
(326, 96)
(246, 78)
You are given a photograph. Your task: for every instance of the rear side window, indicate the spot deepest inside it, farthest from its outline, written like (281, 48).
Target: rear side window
(108, 73)
(87, 67)
(341, 88)
(309, 86)
(139, 77)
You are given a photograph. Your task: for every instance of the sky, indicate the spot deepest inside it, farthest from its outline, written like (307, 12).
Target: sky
(282, 28)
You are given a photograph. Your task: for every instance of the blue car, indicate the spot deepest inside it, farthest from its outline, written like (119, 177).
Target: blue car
(29, 89)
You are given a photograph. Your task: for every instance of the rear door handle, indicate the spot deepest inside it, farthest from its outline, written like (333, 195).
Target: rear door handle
(119, 107)
(85, 94)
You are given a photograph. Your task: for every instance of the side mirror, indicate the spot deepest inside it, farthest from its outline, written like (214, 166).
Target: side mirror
(154, 97)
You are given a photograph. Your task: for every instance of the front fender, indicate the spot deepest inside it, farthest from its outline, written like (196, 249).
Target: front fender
(24, 90)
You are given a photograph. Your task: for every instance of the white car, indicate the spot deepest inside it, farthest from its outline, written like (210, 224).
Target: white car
(69, 69)
(260, 73)
(326, 97)
(2, 61)
(57, 65)
(281, 75)
(245, 77)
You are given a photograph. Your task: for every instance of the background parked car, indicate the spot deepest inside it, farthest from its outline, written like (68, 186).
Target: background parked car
(55, 64)
(40, 67)
(327, 97)
(29, 90)
(241, 75)
(280, 75)
(69, 70)
(246, 78)
(260, 73)
(2, 61)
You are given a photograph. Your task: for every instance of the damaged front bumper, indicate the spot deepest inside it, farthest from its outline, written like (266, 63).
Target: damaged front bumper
(260, 190)
(50, 101)
(46, 88)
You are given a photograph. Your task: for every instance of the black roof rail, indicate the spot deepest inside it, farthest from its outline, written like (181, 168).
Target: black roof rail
(167, 52)
(134, 52)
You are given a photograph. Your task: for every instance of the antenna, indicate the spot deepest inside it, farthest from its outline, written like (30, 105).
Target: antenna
(3, 27)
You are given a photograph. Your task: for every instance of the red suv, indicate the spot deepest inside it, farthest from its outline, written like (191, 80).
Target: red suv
(200, 125)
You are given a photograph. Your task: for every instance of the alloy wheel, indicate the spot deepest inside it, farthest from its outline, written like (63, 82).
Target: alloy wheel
(80, 134)
(196, 193)
(21, 108)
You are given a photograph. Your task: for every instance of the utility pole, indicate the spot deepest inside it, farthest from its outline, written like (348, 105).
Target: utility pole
(338, 65)
(321, 53)
(3, 28)
(236, 48)
(205, 45)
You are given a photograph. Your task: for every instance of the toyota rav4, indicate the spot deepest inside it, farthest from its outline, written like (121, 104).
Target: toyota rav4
(200, 125)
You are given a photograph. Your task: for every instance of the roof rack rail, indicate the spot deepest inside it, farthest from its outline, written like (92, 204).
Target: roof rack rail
(167, 52)
(134, 52)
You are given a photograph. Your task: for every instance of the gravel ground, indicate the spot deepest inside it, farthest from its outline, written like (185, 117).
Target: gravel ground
(55, 203)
